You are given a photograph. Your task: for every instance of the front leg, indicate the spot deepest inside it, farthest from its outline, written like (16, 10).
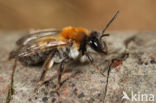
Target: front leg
(94, 64)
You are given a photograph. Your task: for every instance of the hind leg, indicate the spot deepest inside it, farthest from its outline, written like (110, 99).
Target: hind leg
(47, 65)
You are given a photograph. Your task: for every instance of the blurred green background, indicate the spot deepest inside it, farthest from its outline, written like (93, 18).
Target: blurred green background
(93, 14)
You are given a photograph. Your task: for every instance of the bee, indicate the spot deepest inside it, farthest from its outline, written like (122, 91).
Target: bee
(59, 46)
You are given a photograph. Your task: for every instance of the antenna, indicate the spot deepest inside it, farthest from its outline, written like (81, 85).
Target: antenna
(110, 22)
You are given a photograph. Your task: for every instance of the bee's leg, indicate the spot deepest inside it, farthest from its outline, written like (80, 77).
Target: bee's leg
(113, 63)
(60, 72)
(108, 72)
(95, 65)
(47, 65)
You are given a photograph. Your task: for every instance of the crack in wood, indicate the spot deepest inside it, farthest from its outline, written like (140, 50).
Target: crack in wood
(11, 89)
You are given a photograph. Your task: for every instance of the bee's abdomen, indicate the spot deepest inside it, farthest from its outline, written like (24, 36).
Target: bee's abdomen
(34, 59)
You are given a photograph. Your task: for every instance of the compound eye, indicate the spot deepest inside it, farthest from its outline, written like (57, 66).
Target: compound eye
(95, 44)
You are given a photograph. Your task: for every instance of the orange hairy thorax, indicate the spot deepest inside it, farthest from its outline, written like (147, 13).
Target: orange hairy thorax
(74, 33)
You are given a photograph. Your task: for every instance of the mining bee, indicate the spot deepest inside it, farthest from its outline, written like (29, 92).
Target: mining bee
(60, 46)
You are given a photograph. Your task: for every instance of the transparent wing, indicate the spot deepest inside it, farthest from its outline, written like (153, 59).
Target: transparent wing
(36, 34)
(40, 45)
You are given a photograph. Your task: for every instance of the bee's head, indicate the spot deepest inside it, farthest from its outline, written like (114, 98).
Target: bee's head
(95, 38)
(96, 43)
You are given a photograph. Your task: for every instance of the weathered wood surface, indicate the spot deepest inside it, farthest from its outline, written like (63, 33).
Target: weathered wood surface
(137, 73)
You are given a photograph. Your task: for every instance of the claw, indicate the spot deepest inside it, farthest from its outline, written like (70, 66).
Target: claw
(38, 86)
(57, 89)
